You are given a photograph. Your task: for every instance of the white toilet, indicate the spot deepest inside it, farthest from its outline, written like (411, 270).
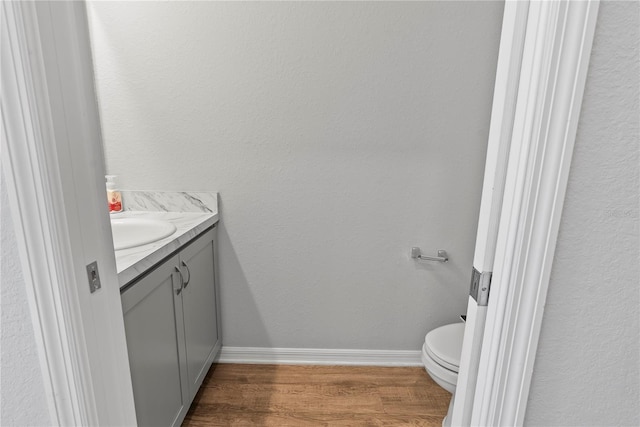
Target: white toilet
(441, 357)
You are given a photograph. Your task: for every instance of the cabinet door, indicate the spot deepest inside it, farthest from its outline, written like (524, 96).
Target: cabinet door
(199, 306)
(155, 341)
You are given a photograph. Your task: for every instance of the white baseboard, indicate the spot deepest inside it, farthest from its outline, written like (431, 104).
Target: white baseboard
(318, 356)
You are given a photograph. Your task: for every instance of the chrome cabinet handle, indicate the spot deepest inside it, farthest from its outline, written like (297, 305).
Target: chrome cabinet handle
(182, 285)
(188, 271)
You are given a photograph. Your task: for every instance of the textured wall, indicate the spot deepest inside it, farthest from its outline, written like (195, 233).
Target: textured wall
(587, 370)
(338, 134)
(22, 397)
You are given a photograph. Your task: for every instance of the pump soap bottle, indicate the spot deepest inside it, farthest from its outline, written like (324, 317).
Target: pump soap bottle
(114, 196)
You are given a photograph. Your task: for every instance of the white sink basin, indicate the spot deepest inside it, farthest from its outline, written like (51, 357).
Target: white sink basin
(132, 232)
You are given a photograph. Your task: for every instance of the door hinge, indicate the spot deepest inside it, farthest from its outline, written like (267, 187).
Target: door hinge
(480, 286)
(93, 276)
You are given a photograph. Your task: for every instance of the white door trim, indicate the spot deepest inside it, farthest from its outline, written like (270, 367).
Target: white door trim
(500, 131)
(556, 56)
(51, 159)
(503, 109)
(33, 184)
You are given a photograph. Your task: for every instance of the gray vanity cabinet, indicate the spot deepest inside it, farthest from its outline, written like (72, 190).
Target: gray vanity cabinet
(200, 315)
(173, 332)
(155, 342)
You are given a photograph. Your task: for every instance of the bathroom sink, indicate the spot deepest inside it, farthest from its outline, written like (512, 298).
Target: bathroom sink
(132, 232)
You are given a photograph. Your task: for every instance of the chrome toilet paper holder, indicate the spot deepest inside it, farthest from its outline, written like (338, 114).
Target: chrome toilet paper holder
(417, 254)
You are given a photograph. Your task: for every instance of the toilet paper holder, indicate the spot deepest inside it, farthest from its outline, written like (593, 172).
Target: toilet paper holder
(417, 254)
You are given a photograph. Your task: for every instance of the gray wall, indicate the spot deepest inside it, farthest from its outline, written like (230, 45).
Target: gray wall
(22, 397)
(586, 370)
(339, 134)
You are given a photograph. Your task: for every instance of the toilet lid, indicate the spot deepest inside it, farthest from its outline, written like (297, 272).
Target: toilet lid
(445, 345)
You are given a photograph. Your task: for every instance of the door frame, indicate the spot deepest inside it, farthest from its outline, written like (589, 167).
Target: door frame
(497, 159)
(555, 58)
(553, 63)
(53, 164)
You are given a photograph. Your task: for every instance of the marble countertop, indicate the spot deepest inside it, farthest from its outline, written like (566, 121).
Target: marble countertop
(133, 262)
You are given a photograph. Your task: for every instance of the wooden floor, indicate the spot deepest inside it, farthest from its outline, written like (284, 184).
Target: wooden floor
(285, 395)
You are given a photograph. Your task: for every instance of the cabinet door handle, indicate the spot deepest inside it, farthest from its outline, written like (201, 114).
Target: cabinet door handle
(179, 290)
(188, 271)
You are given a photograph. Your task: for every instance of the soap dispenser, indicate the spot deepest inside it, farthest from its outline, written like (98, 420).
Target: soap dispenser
(114, 197)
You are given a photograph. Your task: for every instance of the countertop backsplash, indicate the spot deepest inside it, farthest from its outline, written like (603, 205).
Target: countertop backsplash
(170, 201)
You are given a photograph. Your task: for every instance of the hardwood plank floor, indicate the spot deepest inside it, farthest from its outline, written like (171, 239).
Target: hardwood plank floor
(287, 395)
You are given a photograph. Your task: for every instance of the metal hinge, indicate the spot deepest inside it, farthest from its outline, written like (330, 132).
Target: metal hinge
(93, 276)
(480, 286)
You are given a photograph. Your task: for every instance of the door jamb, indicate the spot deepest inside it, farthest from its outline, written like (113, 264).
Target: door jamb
(556, 53)
(52, 162)
(29, 166)
(499, 140)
